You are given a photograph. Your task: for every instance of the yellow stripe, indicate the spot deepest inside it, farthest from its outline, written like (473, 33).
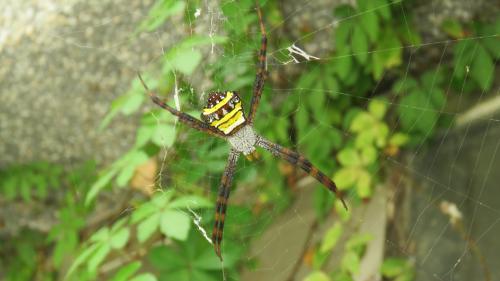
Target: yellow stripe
(216, 107)
(227, 116)
(230, 121)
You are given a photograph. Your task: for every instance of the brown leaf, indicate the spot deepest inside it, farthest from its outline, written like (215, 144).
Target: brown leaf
(144, 177)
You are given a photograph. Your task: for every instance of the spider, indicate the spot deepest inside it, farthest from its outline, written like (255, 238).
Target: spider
(224, 117)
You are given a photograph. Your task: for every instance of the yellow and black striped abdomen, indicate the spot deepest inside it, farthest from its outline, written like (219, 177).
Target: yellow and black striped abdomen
(224, 112)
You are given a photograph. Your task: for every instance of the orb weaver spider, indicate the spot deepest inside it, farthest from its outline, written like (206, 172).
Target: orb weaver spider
(224, 117)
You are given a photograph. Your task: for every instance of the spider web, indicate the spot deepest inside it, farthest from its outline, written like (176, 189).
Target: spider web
(454, 172)
(453, 175)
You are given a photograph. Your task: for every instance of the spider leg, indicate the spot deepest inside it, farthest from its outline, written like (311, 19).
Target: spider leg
(299, 160)
(183, 117)
(261, 71)
(222, 198)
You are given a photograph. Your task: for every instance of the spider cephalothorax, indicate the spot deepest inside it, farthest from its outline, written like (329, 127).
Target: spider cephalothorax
(224, 118)
(224, 112)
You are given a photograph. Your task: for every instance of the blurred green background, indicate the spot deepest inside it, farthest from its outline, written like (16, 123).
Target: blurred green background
(396, 101)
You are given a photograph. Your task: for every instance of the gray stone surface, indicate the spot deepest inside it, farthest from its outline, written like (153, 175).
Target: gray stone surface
(460, 168)
(429, 15)
(61, 65)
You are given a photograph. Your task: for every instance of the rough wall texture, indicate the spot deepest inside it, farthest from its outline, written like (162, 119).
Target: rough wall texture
(61, 66)
(62, 63)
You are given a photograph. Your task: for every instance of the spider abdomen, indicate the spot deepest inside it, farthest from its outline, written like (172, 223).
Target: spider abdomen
(224, 112)
(244, 140)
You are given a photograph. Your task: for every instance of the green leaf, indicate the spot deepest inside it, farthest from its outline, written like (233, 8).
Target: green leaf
(331, 238)
(120, 238)
(10, 187)
(160, 12)
(191, 201)
(144, 277)
(343, 63)
(316, 149)
(393, 267)
(161, 199)
(405, 85)
(438, 98)
(331, 86)
(208, 261)
(350, 116)
(355, 76)
(378, 66)
(164, 135)
(417, 113)
(165, 258)
(491, 44)
(317, 276)
(25, 189)
(146, 228)
(399, 139)
(359, 45)
(432, 79)
(237, 19)
(381, 132)
(482, 69)
(308, 80)
(181, 274)
(364, 6)
(383, 8)
(361, 122)
(344, 214)
(453, 28)
(98, 185)
(200, 40)
(344, 11)
(302, 120)
(108, 118)
(378, 107)
(341, 276)
(388, 53)
(406, 276)
(125, 175)
(185, 60)
(345, 177)
(358, 241)
(125, 272)
(132, 160)
(368, 155)
(131, 103)
(363, 139)
(316, 101)
(100, 235)
(83, 257)
(409, 35)
(145, 210)
(322, 202)
(99, 255)
(369, 22)
(463, 54)
(144, 134)
(363, 185)
(342, 36)
(349, 157)
(350, 262)
(175, 224)
(202, 275)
